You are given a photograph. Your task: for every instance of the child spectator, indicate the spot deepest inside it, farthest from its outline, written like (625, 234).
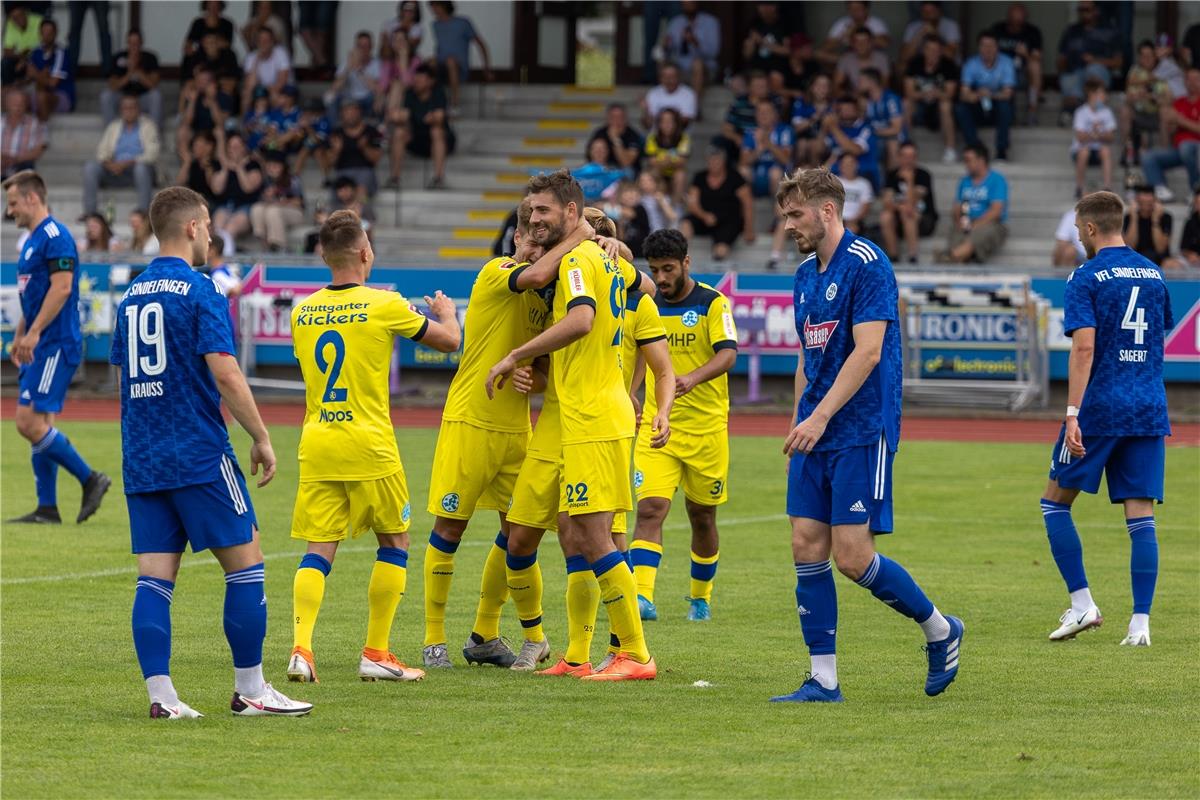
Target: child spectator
(237, 184)
(909, 209)
(283, 123)
(667, 149)
(199, 166)
(1095, 127)
(203, 108)
(1068, 250)
(661, 211)
(859, 194)
(633, 223)
(453, 36)
(257, 122)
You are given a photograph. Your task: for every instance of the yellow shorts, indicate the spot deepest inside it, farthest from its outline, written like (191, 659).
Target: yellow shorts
(473, 468)
(328, 511)
(596, 477)
(699, 462)
(535, 495)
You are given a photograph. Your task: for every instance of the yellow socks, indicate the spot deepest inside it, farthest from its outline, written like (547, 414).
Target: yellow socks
(645, 557)
(525, 586)
(583, 601)
(438, 572)
(493, 591)
(704, 569)
(308, 589)
(384, 592)
(620, 601)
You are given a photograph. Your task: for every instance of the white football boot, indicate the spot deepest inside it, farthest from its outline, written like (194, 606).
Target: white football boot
(1073, 623)
(271, 702)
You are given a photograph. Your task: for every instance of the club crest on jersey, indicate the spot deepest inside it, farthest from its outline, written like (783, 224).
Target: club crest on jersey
(28, 253)
(690, 318)
(817, 336)
(450, 502)
(831, 292)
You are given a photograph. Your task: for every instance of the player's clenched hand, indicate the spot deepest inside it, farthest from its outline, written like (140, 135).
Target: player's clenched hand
(1074, 438)
(522, 379)
(660, 430)
(498, 374)
(440, 305)
(610, 246)
(804, 437)
(262, 454)
(684, 383)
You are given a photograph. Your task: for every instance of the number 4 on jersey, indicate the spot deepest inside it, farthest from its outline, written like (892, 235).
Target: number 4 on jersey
(1135, 317)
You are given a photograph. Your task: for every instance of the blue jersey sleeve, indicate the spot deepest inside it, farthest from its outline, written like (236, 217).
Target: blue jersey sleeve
(891, 102)
(117, 354)
(998, 190)
(875, 298)
(1078, 309)
(60, 254)
(214, 328)
(1168, 314)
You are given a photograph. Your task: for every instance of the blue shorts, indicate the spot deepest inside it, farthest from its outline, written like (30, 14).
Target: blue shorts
(43, 384)
(852, 486)
(217, 514)
(1133, 465)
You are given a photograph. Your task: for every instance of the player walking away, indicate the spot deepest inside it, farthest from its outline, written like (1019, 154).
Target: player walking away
(596, 414)
(47, 347)
(351, 477)
(1116, 311)
(847, 433)
(174, 346)
(703, 344)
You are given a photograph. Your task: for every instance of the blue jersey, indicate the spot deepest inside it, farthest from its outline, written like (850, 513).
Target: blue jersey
(781, 135)
(857, 286)
(881, 112)
(861, 133)
(980, 196)
(60, 66)
(1122, 295)
(51, 249)
(172, 431)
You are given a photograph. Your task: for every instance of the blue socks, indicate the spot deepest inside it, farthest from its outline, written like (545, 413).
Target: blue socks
(892, 584)
(58, 448)
(1143, 562)
(45, 472)
(606, 563)
(152, 625)
(245, 615)
(317, 562)
(816, 602)
(577, 564)
(1065, 545)
(518, 563)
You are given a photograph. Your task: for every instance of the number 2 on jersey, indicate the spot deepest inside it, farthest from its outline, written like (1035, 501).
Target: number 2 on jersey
(145, 326)
(1135, 317)
(332, 393)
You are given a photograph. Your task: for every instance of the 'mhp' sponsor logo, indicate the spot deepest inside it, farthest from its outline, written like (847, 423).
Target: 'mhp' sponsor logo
(336, 416)
(681, 339)
(970, 327)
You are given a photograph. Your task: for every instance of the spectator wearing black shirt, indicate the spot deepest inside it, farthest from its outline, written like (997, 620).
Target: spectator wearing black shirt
(766, 47)
(1189, 245)
(237, 185)
(199, 165)
(909, 210)
(1021, 41)
(1087, 49)
(210, 21)
(719, 204)
(624, 143)
(930, 87)
(632, 220)
(1148, 227)
(422, 127)
(203, 108)
(215, 54)
(799, 72)
(356, 148)
(134, 71)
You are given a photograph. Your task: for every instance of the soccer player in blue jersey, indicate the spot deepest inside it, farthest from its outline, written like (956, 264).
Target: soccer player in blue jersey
(174, 346)
(47, 347)
(846, 435)
(1117, 312)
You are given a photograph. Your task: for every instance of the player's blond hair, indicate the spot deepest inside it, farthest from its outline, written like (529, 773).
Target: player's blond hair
(524, 215)
(27, 182)
(813, 186)
(341, 235)
(1103, 209)
(172, 209)
(600, 221)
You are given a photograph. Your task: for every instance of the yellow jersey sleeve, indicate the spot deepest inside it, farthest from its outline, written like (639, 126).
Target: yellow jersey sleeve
(400, 318)
(722, 332)
(578, 281)
(647, 324)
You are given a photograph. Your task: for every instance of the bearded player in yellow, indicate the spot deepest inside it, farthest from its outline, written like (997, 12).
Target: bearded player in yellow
(596, 413)
(703, 342)
(351, 478)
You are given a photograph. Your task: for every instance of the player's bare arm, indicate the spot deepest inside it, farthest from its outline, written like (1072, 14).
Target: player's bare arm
(56, 298)
(868, 348)
(574, 326)
(1083, 348)
(721, 362)
(231, 383)
(445, 335)
(658, 357)
(532, 378)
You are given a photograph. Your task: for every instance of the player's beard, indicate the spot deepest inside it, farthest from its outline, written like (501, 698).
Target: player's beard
(671, 291)
(548, 235)
(808, 241)
(1089, 248)
(199, 253)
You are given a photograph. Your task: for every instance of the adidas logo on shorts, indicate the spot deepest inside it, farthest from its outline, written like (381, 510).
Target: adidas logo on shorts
(859, 507)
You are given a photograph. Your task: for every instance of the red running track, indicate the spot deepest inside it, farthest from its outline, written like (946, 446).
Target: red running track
(934, 429)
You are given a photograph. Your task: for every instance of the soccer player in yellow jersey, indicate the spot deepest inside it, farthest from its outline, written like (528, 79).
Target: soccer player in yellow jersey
(596, 413)
(351, 478)
(703, 343)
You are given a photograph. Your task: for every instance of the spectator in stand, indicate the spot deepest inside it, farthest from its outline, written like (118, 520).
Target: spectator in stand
(203, 108)
(142, 240)
(1147, 98)
(22, 35)
(800, 71)
(625, 144)
(931, 22)
(1068, 250)
(1191, 45)
(1184, 119)
(268, 66)
(134, 71)
(1189, 244)
(744, 109)
(670, 93)
(210, 21)
(597, 177)
(217, 56)
(275, 17)
(838, 40)
(633, 223)
(237, 185)
(859, 194)
(767, 150)
(807, 113)
(693, 41)
(1095, 128)
(315, 140)
(930, 88)
(661, 210)
(719, 204)
(78, 13)
(356, 148)
(1021, 41)
(885, 113)
(97, 235)
(23, 137)
(980, 211)
(257, 121)
(396, 73)
(667, 149)
(199, 166)
(1148, 227)
(847, 132)
(861, 55)
(347, 195)
(280, 207)
(407, 23)
(223, 274)
(766, 49)
(357, 79)
(1087, 49)
(985, 96)
(317, 21)
(52, 73)
(453, 36)
(126, 156)
(283, 133)
(422, 127)
(909, 209)
(1168, 68)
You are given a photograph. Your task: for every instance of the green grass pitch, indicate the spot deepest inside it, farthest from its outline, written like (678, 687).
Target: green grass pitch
(1025, 718)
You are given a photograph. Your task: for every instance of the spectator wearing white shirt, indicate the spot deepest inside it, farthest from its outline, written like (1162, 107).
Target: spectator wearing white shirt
(1095, 127)
(859, 193)
(1068, 250)
(670, 93)
(357, 79)
(268, 66)
(838, 40)
(930, 23)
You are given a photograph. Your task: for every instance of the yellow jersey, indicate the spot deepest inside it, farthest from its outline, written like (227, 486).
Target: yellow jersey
(500, 317)
(697, 327)
(594, 404)
(642, 326)
(546, 442)
(343, 338)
